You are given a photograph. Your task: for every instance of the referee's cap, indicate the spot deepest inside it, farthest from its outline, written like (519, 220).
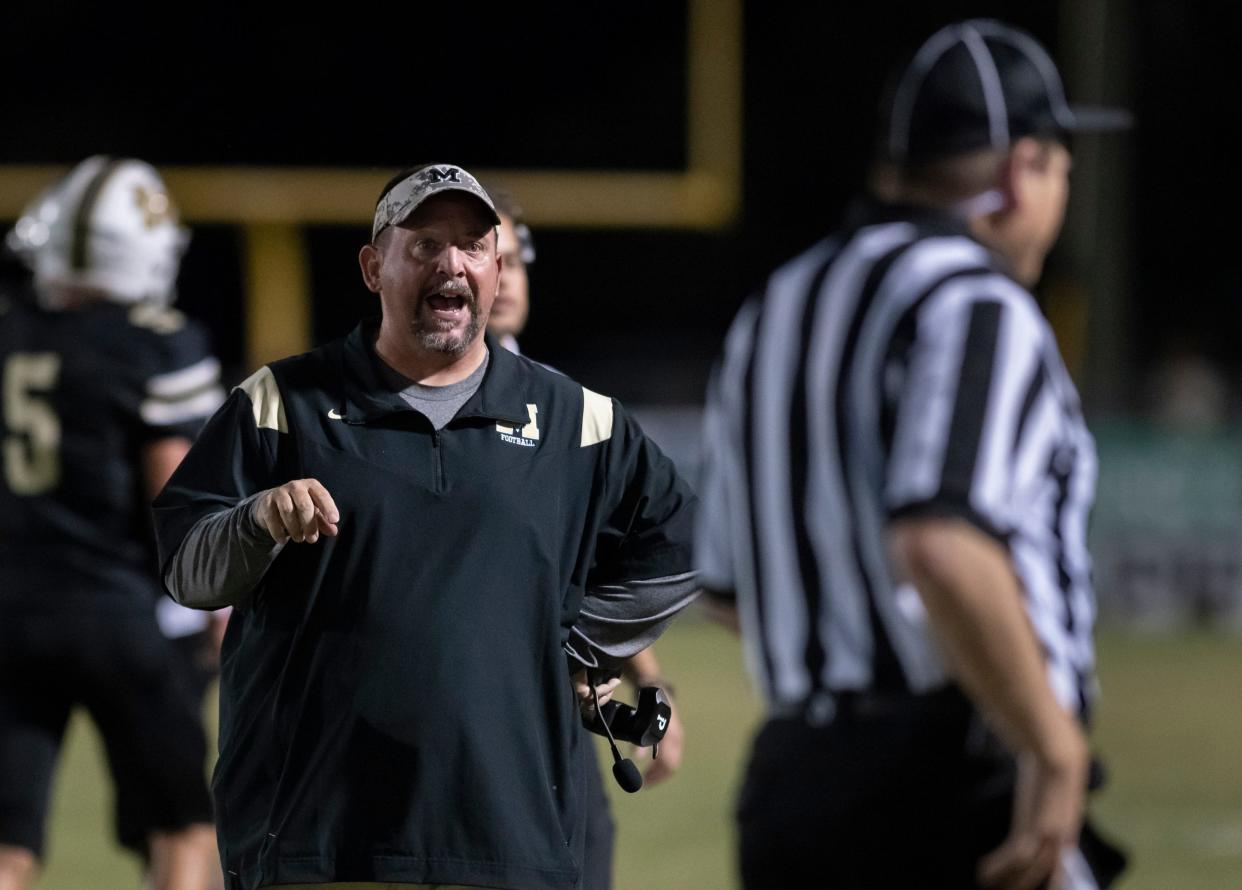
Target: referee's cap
(402, 198)
(980, 84)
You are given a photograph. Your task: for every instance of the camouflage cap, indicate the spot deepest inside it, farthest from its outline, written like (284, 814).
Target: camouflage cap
(405, 197)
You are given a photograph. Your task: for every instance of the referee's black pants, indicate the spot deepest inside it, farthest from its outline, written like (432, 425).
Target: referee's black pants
(887, 793)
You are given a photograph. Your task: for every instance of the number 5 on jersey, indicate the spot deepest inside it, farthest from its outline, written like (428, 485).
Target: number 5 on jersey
(31, 455)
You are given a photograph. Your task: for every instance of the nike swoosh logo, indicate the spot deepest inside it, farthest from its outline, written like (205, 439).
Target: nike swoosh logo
(332, 415)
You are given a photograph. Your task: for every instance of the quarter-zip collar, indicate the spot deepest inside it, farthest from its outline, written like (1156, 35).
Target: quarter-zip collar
(367, 394)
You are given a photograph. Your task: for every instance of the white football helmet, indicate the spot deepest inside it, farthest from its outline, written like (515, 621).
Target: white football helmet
(110, 226)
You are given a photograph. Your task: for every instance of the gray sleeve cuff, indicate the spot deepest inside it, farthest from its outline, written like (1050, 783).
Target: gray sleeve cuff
(617, 621)
(222, 558)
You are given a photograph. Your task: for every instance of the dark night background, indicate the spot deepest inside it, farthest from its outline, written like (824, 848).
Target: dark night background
(638, 313)
(1143, 292)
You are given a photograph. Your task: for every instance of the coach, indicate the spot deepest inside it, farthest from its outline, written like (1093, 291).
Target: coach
(897, 488)
(416, 527)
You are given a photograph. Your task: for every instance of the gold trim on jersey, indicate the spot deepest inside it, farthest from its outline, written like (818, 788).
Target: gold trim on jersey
(269, 410)
(596, 418)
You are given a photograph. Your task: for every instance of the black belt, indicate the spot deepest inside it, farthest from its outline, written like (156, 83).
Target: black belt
(824, 708)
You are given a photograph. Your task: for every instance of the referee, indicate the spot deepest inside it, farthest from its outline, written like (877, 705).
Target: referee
(895, 500)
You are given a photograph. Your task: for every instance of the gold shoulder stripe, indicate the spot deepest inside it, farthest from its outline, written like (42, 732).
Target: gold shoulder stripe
(596, 418)
(269, 410)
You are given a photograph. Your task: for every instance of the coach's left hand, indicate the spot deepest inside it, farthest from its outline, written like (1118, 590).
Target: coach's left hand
(670, 750)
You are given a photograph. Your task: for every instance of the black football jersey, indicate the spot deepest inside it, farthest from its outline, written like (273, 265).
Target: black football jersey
(82, 392)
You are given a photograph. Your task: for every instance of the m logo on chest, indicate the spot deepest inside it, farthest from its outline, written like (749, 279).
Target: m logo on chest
(527, 435)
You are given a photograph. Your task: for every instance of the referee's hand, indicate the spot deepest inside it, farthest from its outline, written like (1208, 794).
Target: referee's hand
(1047, 817)
(298, 511)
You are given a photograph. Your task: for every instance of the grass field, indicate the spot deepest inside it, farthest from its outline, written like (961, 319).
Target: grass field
(1169, 726)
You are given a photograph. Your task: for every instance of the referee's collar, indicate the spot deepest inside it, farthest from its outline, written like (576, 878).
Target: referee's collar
(870, 211)
(369, 392)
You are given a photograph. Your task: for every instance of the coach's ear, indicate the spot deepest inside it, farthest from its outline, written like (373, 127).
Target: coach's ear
(370, 259)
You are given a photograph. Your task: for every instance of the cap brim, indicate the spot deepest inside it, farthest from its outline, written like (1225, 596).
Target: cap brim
(1094, 119)
(439, 189)
(400, 201)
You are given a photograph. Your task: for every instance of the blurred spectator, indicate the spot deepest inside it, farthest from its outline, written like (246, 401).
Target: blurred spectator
(1187, 392)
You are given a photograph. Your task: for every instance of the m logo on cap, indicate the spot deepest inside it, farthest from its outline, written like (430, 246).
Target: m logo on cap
(440, 174)
(403, 198)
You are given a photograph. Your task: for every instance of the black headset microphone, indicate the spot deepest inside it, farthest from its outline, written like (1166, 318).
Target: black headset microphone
(623, 769)
(644, 726)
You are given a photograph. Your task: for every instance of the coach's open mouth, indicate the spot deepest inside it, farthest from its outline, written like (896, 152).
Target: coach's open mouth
(445, 303)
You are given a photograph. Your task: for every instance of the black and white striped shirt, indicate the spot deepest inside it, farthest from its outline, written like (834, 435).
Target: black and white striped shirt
(892, 370)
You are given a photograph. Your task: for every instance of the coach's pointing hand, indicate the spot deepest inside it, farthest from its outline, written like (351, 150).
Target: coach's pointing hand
(298, 511)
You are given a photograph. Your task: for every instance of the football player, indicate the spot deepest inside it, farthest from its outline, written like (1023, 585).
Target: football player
(102, 384)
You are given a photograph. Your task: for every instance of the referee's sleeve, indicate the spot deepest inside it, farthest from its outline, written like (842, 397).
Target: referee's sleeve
(722, 527)
(712, 551)
(961, 408)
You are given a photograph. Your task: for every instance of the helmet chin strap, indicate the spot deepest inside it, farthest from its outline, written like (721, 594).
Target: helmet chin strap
(982, 204)
(61, 295)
